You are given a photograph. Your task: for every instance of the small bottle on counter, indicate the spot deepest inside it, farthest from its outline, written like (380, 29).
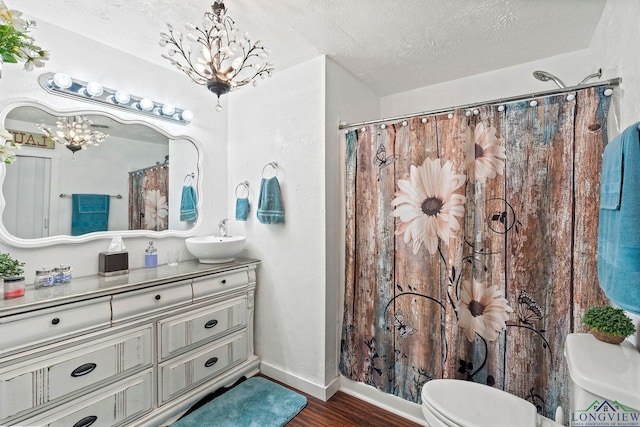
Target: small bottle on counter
(44, 278)
(151, 256)
(61, 275)
(13, 287)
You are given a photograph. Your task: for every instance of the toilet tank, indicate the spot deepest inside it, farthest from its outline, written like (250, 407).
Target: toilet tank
(600, 371)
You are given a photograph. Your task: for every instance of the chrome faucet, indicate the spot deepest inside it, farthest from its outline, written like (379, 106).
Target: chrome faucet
(223, 227)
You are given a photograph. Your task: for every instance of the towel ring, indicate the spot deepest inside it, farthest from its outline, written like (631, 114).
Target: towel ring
(274, 165)
(244, 184)
(189, 175)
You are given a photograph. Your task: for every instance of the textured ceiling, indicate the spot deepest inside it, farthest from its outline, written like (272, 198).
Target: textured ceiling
(391, 46)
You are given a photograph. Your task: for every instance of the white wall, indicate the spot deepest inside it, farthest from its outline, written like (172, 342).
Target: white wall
(282, 120)
(614, 47)
(512, 81)
(89, 61)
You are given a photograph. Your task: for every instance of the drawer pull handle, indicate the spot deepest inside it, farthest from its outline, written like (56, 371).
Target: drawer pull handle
(85, 369)
(86, 421)
(210, 324)
(224, 281)
(209, 363)
(158, 297)
(55, 321)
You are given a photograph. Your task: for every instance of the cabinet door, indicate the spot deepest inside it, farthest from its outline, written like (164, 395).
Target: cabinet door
(183, 373)
(43, 379)
(209, 286)
(130, 305)
(205, 324)
(38, 326)
(119, 403)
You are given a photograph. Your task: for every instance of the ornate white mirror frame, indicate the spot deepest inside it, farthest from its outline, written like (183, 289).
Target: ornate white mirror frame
(12, 240)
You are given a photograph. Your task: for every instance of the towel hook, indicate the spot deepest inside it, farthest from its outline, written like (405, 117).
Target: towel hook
(189, 175)
(244, 184)
(274, 165)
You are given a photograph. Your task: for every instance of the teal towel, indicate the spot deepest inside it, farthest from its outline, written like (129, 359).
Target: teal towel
(89, 213)
(619, 225)
(270, 208)
(242, 209)
(188, 203)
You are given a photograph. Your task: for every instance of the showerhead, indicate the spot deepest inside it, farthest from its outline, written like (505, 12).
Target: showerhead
(545, 77)
(595, 75)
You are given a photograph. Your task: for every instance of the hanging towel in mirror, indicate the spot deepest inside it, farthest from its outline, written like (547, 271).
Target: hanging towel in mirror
(188, 203)
(89, 213)
(618, 228)
(270, 208)
(242, 209)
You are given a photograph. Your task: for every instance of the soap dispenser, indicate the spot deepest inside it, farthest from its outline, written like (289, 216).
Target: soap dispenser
(151, 256)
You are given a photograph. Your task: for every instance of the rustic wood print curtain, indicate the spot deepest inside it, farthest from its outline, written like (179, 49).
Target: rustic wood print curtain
(148, 199)
(471, 246)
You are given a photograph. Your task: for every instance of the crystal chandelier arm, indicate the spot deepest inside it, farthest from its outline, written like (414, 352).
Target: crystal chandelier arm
(191, 70)
(264, 68)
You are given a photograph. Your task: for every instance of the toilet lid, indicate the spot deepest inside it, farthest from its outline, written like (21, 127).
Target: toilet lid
(466, 403)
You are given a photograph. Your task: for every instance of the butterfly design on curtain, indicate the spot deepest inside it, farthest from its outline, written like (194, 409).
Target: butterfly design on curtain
(381, 160)
(528, 310)
(401, 327)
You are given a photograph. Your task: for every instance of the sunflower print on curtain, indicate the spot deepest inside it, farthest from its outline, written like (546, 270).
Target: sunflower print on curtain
(471, 246)
(148, 196)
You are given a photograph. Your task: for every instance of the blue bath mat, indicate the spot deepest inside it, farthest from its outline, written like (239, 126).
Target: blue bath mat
(256, 402)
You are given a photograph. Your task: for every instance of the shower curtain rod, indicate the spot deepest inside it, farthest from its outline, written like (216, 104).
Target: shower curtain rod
(611, 82)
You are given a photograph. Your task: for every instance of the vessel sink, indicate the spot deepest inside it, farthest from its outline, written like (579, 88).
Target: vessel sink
(215, 249)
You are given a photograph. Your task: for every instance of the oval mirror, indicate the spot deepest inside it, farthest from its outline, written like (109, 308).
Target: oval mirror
(140, 181)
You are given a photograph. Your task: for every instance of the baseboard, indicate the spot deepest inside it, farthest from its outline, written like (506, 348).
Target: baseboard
(323, 393)
(388, 402)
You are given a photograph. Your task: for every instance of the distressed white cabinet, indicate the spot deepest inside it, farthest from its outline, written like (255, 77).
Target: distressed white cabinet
(135, 350)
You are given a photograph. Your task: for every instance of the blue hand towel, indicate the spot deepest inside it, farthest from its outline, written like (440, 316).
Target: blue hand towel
(188, 203)
(270, 208)
(89, 213)
(619, 226)
(242, 209)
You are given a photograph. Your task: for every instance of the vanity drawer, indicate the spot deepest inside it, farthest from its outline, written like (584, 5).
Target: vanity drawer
(28, 384)
(129, 305)
(205, 324)
(182, 374)
(117, 404)
(208, 286)
(36, 327)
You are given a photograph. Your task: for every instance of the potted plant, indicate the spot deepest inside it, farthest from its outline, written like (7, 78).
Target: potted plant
(11, 273)
(608, 324)
(16, 45)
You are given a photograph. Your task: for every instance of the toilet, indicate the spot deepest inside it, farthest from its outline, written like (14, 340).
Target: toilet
(598, 371)
(601, 371)
(458, 403)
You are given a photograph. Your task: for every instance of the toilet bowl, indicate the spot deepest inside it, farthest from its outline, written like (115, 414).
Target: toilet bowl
(458, 403)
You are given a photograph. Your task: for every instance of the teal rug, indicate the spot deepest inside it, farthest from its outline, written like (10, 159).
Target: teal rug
(256, 402)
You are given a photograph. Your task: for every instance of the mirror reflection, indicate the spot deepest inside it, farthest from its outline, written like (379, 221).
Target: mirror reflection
(135, 179)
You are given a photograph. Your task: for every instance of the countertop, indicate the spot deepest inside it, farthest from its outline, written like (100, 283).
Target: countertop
(88, 287)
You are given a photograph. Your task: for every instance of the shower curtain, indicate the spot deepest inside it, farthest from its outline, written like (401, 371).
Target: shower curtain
(471, 246)
(148, 196)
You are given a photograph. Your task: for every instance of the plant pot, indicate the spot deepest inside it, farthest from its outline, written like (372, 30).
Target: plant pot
(607, 337)
(13, 287)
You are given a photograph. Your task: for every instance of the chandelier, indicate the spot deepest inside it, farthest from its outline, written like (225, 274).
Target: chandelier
(225, 62)
(75, 133)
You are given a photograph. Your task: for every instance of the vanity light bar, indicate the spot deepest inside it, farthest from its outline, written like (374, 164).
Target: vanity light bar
(62, 84)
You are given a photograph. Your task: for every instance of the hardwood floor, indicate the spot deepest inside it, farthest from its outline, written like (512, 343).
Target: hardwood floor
(344, 410)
